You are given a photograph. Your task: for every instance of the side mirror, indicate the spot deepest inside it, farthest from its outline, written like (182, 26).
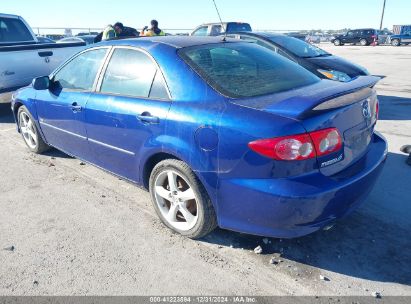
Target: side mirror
(41, 83)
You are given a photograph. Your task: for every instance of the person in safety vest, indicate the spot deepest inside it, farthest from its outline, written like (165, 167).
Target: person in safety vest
(125, 31)
(153, 31)
(108, 33)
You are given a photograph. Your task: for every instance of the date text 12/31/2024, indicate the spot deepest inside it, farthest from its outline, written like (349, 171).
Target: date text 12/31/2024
(203, 299)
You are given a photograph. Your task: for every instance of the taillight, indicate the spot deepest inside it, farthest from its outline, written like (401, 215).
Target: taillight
(326, 141)
(377, 110)
(299, 147)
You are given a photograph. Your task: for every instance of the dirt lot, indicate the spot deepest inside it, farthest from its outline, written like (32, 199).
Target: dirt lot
(76, 230)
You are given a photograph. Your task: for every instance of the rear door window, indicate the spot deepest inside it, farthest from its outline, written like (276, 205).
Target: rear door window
(241, 70)
(133, 73)
(13, 30)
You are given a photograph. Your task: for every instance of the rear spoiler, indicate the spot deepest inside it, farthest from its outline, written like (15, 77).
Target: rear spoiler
(323, 96)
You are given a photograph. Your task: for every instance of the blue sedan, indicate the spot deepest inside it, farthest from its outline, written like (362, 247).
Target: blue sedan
(221, 132)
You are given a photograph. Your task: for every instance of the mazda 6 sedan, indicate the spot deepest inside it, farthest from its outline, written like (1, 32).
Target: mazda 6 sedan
(221, 132)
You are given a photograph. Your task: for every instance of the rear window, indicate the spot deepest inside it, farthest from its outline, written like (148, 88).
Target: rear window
(13, 30)
(241, 70)
(238, 27)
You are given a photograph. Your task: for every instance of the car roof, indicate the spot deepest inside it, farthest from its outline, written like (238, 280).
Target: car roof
(9, 16)
(173, 41)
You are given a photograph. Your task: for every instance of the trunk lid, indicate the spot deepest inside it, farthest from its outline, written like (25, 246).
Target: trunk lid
(349, 107)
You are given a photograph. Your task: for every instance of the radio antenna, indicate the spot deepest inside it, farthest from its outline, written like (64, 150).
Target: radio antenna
(221, 20)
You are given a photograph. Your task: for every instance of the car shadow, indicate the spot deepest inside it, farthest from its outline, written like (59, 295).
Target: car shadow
(5, 113)
(372, 243)
(394, 108)
(54, 153)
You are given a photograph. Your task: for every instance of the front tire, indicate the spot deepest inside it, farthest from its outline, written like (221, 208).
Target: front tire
(337, 42)
(180, 199)
(29, 132)
(395, 42)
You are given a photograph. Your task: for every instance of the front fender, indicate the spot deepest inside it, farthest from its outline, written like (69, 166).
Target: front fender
(26, 97)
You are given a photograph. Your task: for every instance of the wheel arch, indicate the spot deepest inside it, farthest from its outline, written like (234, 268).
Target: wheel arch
(149, 162)
(17, 104)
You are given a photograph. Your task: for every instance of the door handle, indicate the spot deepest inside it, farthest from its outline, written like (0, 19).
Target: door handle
(75, 107)
(148, 118)
(46, 54)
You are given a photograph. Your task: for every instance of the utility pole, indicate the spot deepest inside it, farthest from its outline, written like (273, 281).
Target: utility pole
(382, 16)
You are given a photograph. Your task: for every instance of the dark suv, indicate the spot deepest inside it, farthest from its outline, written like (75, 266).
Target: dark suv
(361, 36)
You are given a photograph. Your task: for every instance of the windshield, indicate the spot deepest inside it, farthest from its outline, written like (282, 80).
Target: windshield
(241, 70)
(298, 47)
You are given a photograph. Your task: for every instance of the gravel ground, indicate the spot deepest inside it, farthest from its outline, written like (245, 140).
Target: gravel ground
(72, 229)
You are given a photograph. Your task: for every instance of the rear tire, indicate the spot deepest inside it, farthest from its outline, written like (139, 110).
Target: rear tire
(395, 42)
(30, 132)
(180, 200)
(363, 42)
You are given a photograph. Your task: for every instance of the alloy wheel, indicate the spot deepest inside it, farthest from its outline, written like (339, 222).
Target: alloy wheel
(176, 200)
(28, 130)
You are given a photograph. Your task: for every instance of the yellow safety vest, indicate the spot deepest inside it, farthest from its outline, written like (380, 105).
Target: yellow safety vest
(108, 33)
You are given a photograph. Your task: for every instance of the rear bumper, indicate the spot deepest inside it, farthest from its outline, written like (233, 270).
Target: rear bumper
(294, 207)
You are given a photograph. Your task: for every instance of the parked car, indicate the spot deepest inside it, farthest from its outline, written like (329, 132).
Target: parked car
(23, 57)
(314, 59)
(81, 34)
(88, 39)
(401, 39)
(313, 38)
(215, 29)
(384, 36)
(301, 36)
(55, 37)
(362, 36)
(41, 39)
(221, 133)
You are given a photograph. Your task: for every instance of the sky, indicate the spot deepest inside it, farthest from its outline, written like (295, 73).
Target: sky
(187, 14)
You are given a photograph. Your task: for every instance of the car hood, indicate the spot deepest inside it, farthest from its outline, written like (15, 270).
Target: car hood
(337, 64)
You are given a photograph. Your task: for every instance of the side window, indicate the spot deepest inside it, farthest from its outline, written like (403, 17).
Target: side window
(215, 30)
(202, 31)
(350, 33)
(259, 42)
(132, 73)
(80, 73)
(282, 53)
(158, 89)
(248, 39)
(13, 30)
